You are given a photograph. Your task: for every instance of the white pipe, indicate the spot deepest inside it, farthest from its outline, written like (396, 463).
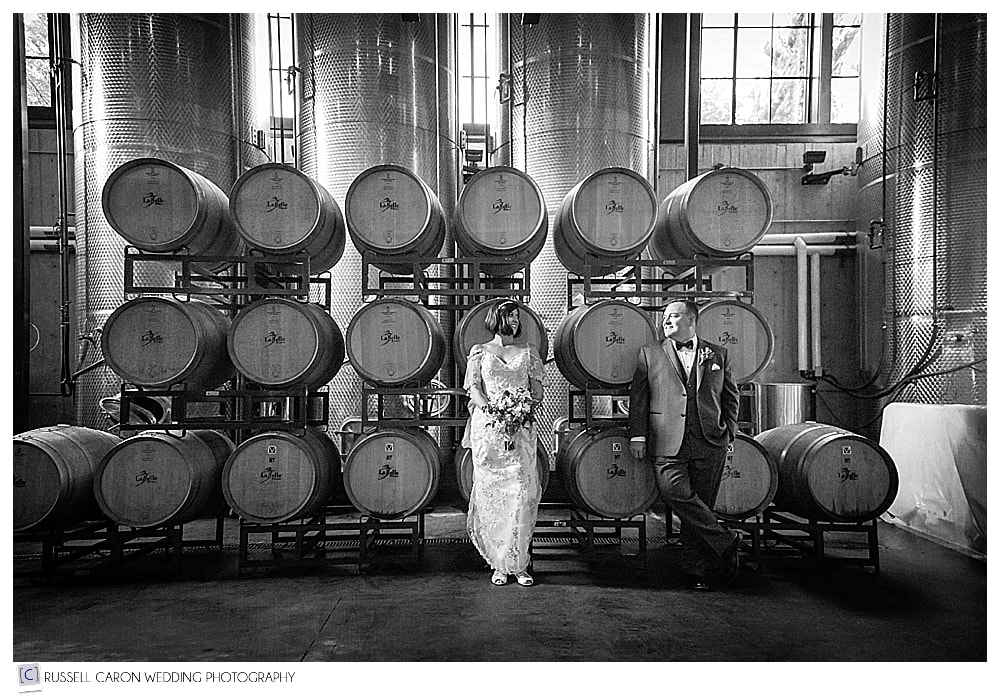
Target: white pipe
(807, 237)
(814, 295)
(803, 306)
(787, 250)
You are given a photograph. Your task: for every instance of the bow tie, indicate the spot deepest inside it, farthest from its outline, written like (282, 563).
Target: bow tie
(684, 345)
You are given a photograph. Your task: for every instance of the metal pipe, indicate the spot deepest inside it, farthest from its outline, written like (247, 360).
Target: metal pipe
(803, 306)
(809, 237)
(657, 77)
(788, 250)
(814, 296)
(60, 66)
(692, 95)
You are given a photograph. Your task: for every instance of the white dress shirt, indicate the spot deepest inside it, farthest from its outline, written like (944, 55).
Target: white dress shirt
(687, 360)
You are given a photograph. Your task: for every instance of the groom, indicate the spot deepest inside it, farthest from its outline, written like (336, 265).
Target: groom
(683, 406)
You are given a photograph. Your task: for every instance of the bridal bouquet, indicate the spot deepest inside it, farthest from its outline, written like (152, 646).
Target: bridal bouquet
(510, 410)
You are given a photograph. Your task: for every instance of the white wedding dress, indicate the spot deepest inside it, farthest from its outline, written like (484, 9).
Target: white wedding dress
(503, 505)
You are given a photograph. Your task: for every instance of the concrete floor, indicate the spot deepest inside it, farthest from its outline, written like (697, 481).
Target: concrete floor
(928, 604)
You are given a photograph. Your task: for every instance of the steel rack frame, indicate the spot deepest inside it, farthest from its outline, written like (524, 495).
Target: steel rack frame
(239, 409)
(602, 281)
(466, 287)
(107, 546)
(315, 541)
(419, 397)
(251, 275)
(581, 535)
(775, 533)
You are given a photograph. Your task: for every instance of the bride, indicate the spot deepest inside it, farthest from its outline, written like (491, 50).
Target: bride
(503, 505)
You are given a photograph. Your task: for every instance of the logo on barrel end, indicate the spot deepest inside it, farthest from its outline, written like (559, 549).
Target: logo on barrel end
(269, 474)
(613, 338)
(150, 337)
(726, 207)
(387, 471)
(389, 337)
(272, 338)
(275, 204)
(501, 183)
(613, 206)
(152, 199)
(500, 206)
(19, 482)
(145, 477)
(387, 204)
(727, 338)
(847, 475)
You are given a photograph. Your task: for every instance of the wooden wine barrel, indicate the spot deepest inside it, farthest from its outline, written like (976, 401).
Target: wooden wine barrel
(394, 342)
(278, 343)
(722, 213)
(463, 469)
(158, 342)
(54, 475)
(598, 472)
(743, 331)
(158, 206)
(471, 330)
(501, 213)
(279, 210)
(277, 476)
(598, 344)
(609, 215)
(827, 473)
(160, 478)
(392, 473)
(749, 480)
(391, 213)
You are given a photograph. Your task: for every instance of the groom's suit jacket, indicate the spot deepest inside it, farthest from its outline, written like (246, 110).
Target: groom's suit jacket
(658, 397)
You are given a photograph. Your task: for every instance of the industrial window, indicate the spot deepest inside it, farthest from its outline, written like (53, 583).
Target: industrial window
(277, 97)
(477, 88)
(36, 52)
(792, 68)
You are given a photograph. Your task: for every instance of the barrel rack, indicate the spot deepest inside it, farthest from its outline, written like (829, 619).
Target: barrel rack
(778, 534)
(314, 540)
(98, 547)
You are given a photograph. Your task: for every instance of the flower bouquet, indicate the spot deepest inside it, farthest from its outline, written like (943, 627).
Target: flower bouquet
(510, 411)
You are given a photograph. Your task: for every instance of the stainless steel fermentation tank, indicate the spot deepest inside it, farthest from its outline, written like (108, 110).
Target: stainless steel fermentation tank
(377, 90)
(923, 136)
(581, 99)
(174, 86)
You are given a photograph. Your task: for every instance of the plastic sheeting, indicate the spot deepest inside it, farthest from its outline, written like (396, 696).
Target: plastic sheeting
(940, 453)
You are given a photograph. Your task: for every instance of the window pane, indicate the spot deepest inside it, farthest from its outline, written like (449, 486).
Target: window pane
(788, 101)
(846, 51)
(724, 19)
(752, 98)
(754, 20)
(844, 105)
(790, 55)
(717, 53)
(36, 44)
(717, 101)
(753, 53)
(796, 19)
(846, 19)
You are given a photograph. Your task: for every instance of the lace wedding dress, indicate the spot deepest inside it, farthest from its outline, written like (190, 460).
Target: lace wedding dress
(503, 505)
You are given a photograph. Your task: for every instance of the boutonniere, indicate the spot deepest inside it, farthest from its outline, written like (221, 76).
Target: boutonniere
(705, 354)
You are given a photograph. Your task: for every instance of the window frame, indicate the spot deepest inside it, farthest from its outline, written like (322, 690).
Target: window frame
(44, 117)
(818, 98)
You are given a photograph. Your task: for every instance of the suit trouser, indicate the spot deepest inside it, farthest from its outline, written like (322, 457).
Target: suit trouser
(689, 483)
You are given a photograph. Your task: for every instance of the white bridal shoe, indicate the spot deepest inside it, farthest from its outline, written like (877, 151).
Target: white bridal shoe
(499, 578)
(524, 578)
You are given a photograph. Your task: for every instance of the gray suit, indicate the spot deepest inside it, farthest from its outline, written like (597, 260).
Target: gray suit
(687, 450)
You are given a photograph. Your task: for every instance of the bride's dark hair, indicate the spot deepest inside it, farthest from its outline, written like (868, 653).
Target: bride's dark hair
(498, 318)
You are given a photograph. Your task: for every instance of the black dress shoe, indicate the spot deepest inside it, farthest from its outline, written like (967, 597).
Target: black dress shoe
(696, 583)
(731, 560)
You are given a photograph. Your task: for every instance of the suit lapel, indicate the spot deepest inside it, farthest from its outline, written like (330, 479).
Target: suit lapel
(674, 360)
